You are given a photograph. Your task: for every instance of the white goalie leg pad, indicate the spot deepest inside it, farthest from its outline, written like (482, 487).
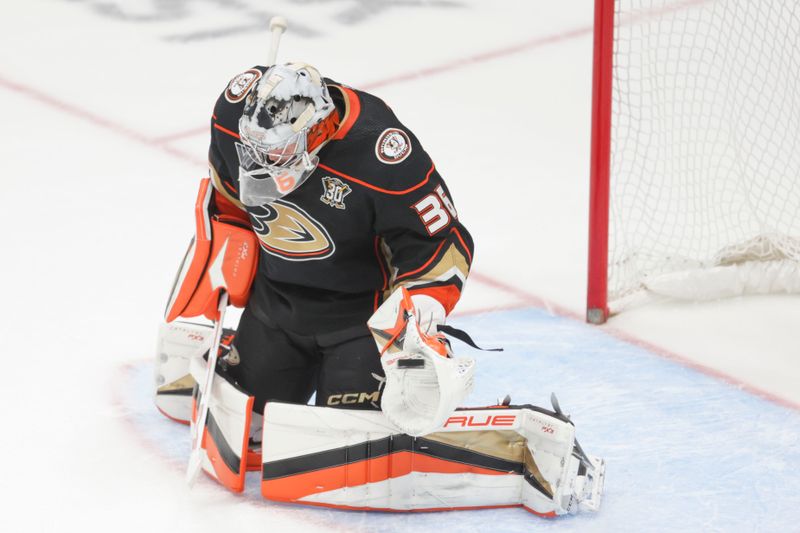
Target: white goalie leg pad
(492, 457)
(227, 431)
(425, 383)
(178, 343)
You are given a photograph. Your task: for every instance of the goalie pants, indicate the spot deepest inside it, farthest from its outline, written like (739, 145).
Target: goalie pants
(342, 367)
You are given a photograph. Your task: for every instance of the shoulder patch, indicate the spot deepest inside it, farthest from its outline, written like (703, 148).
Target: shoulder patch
(393, 146)
(240, 85)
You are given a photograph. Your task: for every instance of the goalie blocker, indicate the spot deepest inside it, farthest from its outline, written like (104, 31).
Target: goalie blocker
(503, 456)
(223, 255)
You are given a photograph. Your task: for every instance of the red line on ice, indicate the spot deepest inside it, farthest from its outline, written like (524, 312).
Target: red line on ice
(434, 70)
(709, 371)
(482, 57)
(97, 120)
(531, 44)
(181, 135)
(530, 300)
(121, 386)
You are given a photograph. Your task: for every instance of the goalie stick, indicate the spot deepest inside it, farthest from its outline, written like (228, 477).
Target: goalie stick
(199, 427)
(277, 26)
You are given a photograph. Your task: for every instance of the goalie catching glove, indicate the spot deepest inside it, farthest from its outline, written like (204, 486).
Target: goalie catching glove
(424, 382)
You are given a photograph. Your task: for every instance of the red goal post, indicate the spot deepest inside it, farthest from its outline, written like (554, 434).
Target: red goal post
(695, 158)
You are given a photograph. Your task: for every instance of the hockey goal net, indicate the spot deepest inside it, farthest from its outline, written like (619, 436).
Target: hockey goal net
(695, 150)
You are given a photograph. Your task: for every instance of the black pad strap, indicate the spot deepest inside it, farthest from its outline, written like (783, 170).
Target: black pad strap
(462, 335)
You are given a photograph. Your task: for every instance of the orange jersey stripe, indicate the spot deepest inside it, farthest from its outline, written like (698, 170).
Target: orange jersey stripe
(351, 114)
(427, 263)
(380, 189)
(463, 244)
(226, 130)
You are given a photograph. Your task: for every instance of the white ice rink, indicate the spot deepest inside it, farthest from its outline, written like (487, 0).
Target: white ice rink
(105, 111)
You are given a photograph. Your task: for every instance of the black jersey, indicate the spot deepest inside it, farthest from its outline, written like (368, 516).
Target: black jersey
(375, 214)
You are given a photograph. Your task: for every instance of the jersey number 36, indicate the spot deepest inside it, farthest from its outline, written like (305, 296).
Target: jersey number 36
(436, 210)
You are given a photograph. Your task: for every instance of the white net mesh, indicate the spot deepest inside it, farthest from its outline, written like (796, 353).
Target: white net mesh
(705, 166)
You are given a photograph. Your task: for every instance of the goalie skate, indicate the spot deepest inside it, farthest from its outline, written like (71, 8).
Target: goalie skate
(584, 492)
(589, 474)
(591, 491)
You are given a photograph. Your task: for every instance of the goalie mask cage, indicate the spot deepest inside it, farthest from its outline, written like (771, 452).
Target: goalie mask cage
(695, 163)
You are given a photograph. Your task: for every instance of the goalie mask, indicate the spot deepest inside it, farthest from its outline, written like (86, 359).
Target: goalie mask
(287, 119)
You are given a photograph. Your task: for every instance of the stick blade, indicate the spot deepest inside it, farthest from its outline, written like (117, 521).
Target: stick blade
(194, 467)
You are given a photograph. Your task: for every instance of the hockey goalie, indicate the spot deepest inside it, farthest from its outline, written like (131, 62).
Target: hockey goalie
(327, 221)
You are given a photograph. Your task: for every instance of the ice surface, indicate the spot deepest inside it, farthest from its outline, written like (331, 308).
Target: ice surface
(106, 107)
(684, 451)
